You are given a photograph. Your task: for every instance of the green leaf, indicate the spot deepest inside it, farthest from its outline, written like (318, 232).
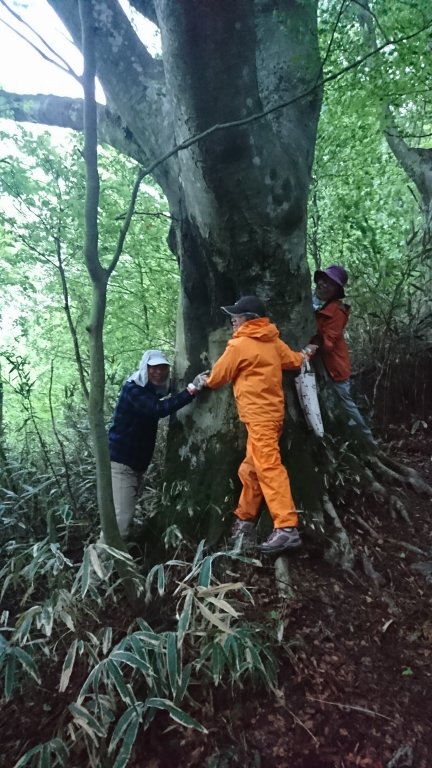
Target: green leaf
(123, 723)
(214, 619)
(106, 640)
(198, 554)
(136, 662)
(116, 677)
(161, 580)
(159, 570)
(96, 563)
(123, 756)
(68, 665)
(183, 622)
(223, 605)
(10, 675)
(148, 639)
(175, 713)
(67, 619)
(46, 619)
(45, 756)
(81, 713)
(92, 681)
(56, 746)
(24, 623)
(184, 682)
(172, 660)
(205, 572)
(86, 573)
(25, 759)
(27, 663)
(219, 660)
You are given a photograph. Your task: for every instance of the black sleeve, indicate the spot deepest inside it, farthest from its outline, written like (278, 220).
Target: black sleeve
(149, 404)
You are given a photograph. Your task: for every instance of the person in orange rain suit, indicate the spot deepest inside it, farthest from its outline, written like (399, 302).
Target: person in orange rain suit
(253, 361)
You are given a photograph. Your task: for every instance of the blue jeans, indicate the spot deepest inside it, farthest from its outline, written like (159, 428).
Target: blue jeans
(343, 388)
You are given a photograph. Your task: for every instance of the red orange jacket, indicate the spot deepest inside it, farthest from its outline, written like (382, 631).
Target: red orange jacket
(331, 321)
(253, 361)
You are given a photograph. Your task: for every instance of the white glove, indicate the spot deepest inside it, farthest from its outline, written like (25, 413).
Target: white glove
(309, 351)
(198, 383)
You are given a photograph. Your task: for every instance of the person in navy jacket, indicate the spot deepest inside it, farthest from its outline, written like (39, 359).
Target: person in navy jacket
(144, 399)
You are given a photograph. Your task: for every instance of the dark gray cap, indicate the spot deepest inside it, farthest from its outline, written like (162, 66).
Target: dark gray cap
(247, 305)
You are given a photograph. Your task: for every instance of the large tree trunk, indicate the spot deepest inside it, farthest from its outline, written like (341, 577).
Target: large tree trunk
(243, 196)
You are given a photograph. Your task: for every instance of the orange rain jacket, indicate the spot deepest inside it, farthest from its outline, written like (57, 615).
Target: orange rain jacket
(253, 361)
(331, 322)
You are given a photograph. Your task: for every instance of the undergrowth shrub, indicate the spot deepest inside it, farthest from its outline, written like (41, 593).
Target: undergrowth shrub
(64, 617)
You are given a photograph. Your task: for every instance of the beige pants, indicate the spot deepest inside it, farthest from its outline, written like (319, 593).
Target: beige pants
(125, 488)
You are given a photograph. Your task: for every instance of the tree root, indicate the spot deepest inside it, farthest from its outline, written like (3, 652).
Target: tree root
(407, 475)
(385, 472)
(377, 489)
(340, 549)
(410, 547)
(397, 508)
(283, 579)
(371, 573)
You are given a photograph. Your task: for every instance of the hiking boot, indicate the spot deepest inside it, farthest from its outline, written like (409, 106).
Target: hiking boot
(241, 528)
(280, 540)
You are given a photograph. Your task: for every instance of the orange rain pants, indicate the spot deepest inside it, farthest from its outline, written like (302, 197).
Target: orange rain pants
(263, 474)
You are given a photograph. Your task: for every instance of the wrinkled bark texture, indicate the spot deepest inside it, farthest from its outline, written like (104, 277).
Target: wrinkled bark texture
(242, 199)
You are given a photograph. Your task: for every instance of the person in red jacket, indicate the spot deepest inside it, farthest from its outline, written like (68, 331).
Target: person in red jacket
(332, 315)
(253, 360)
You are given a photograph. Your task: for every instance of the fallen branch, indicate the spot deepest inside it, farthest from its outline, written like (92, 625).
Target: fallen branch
(364, 711)
(297, 720)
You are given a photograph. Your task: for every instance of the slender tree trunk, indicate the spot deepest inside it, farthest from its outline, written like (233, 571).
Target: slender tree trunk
(99, 278)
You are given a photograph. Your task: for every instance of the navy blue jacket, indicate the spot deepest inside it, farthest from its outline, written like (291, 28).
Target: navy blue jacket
(132, 436)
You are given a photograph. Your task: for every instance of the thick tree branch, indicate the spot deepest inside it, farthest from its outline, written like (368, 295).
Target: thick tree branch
(282, 105)
(416, 162)
(68, 113)
(51, 116)
(136, 83)
(146, 8)
(91, 248)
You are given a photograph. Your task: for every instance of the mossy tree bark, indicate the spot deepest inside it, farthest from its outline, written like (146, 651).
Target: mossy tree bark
(243, 197)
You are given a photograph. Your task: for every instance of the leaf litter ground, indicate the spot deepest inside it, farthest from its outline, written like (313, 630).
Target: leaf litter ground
(355, 681)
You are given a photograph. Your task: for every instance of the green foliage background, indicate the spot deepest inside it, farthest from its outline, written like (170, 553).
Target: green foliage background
(42, 185)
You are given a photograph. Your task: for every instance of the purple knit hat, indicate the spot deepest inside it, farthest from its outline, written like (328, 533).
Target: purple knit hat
(336, 273)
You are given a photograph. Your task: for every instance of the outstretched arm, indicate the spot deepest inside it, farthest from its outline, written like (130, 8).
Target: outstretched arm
(289, 359)
(149, 404)
(225, 369)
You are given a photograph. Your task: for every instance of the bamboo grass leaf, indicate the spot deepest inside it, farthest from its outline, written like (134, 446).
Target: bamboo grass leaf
(175, 713)
(68, 666)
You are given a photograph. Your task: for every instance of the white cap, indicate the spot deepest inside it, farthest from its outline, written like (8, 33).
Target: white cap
(155, 357)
